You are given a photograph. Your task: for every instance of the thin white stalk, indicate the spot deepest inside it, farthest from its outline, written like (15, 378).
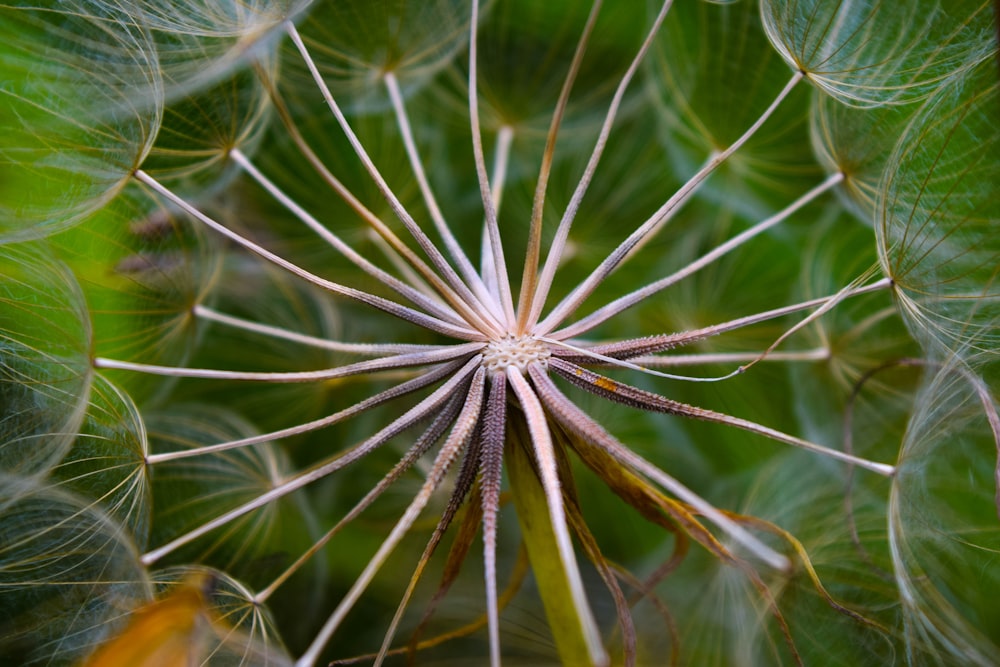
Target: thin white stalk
(651, 344)
(330, 466)
(398, 261)
(380, 230)
(529, 276)
(883, 469)
(489, 205)
(575, 298)
(646, 400)
(361, 349)
(601, 315)
(451, 243)
(398, 310)
(815, 354)
(368, 403)
(370, 365)
(575, 420)
(826, 307)
(541, 441)
(463, 483)
(407, 291)
(631, 364)
(418, 449)
(437, 259)
(501, 159)
(558, 245)
(460, 433)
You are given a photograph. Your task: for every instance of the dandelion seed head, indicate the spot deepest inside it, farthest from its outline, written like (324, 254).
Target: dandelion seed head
(517, 351)
(227, 116)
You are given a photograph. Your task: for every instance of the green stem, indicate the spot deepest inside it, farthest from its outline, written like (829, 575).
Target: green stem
(565, 620)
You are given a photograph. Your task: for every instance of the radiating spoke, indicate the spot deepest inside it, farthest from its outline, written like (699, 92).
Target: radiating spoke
(437, 259)
(494, 432)
(848, 291)
(385, 305)
(463, 485)
(501, 160)
(420, 411)
(382, 232)
(529, 278)
(604, 359)
(489, 205)
(578, 422)
(378, 399)
(575, 298)
(558, 245)
(646, 400)
(652, 344)
(451, 243)
(360, 349)
(398, 361)
(460, 433)
(437, 428)
(604, 313)
(414, 295)
(815, 354)
(505, 137)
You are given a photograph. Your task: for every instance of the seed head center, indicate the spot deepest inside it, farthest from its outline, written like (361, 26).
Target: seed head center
(511, 350)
